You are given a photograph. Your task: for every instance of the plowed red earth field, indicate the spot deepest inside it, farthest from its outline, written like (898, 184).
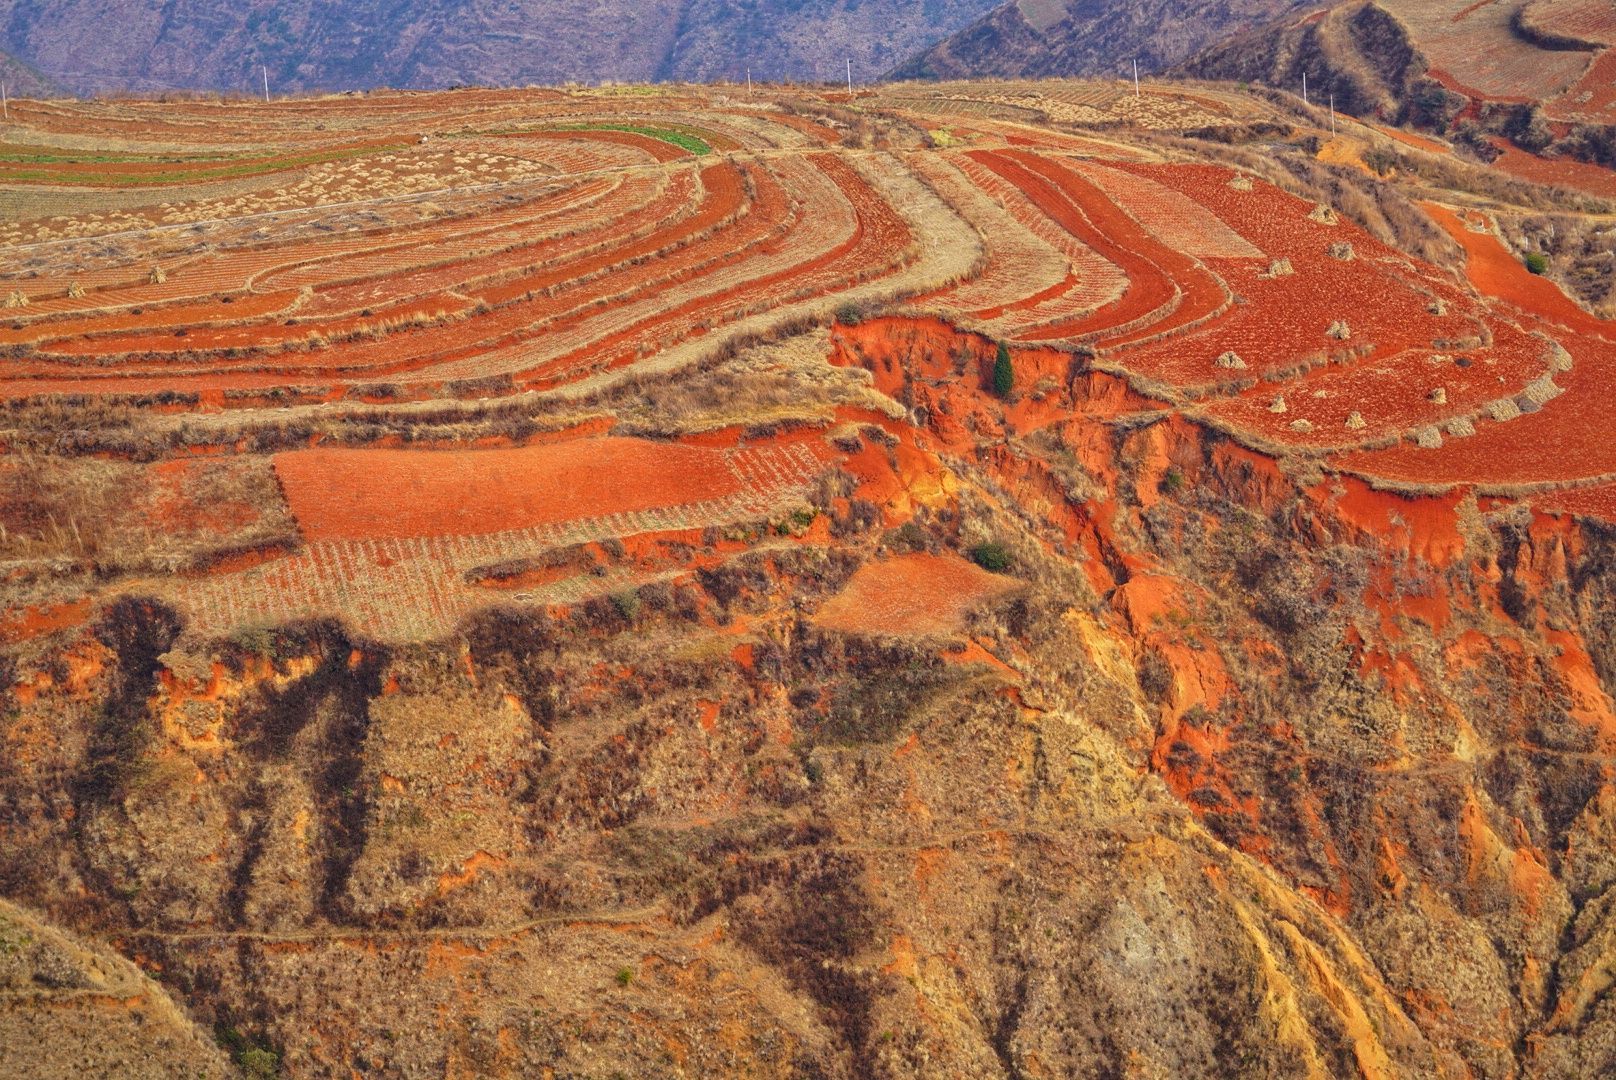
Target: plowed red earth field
(1556, 444)
(911, 594)
(370, 494)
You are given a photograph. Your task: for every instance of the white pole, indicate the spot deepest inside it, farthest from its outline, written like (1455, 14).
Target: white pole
(748, 82)
(1304, 88)
(5, 102)
(1136, 78)
(1332, 112)
(266, 82)
(850, 78)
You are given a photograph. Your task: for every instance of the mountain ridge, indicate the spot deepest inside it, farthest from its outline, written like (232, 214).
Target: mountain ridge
(203, 45)
(1085, 37)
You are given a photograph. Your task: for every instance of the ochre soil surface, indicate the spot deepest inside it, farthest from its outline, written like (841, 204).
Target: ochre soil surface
(911, 594)
(338, 494)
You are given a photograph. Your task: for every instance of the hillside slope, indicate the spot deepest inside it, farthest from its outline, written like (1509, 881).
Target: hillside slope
(205, 44)
(21, 80)
(1085, 37)
(69, 1009)
(1359, 52)
(1522, 82)
(1397, 57)
(506, 584)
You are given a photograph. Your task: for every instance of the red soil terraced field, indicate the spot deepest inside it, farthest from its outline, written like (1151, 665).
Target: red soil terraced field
(1560, 440)
(321, 280)
(911, 594)
(397, 539)
(375, 494)
(1557, 172)
(529, 548)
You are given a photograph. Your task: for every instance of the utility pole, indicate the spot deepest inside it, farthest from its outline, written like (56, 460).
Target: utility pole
(5, 102)
(1304, 88)
(1332, 112)
(849, 78)
(266, 83)
(748, 82)
(1136, 77)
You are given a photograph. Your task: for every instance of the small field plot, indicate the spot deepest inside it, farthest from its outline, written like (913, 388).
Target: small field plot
(371, 494)
(915, 594)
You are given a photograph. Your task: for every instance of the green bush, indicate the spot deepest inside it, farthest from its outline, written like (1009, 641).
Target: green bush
(850, 314)
(259, 1064)
(1537, 262)
(624, 976)
(1004, 372)
(994, 557)
(627, 604)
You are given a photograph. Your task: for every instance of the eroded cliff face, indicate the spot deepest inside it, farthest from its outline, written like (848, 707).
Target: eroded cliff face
(1255, 771)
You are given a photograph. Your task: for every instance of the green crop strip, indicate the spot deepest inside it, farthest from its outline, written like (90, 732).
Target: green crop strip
(254, 167)
(682, 139)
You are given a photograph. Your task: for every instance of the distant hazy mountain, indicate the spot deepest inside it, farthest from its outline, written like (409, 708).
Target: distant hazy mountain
(1087, 37)
(21, 80)
(104, 45)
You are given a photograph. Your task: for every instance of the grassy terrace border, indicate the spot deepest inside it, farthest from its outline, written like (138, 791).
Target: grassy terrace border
(242, 168)
(46, 155)
(684, 139)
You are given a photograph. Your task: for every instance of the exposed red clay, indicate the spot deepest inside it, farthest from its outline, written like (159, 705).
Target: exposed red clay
(916, 594)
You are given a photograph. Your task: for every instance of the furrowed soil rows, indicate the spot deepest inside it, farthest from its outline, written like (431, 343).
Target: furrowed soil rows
(368, 494)
(393, 535)
(1542, 440)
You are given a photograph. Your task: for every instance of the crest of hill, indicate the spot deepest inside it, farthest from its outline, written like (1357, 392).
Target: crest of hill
(1055, 38)
(1360, 52)
(1425, 61)
(207, 45)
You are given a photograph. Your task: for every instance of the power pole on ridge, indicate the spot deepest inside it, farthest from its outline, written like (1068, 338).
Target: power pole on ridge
(1304, 88)
(850, 78)
(1136, 77)
(266, 83)
(5, 102)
